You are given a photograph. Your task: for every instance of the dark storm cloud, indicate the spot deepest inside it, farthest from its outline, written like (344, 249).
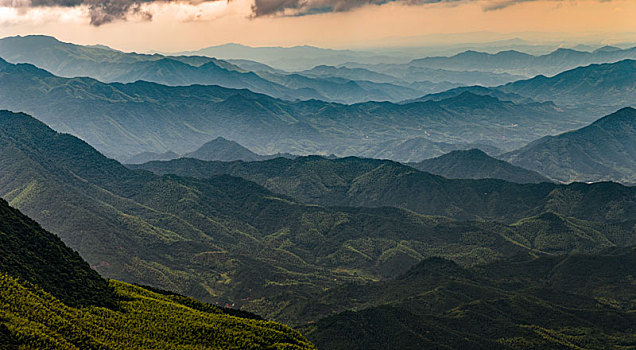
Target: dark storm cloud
(309, 7)
(100, 11)
(106, 11)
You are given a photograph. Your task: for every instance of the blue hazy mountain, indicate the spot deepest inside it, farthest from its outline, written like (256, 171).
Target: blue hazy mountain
(602, 151)
(123, 120)
(609, 84)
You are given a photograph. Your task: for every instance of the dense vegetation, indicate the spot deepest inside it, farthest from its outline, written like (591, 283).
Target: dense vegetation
(30, 318)
(604, 150)
(567, 302)
(51, 299)
(475, 164)
(225, 239)
(355, 181)
(29, 253)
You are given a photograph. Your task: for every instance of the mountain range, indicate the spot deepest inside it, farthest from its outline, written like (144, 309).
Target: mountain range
(292, 58)
(602, 151)
(122, 120)
(574, 301)
(108, 65)
(359, 182)
(476, 201)
(608, 84)
(224, 239)
(413, 74)
(603, 87)
(116, 117)
(516, 62)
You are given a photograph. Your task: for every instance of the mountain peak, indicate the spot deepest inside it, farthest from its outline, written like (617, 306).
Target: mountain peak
(470, 153)
(625, 114)
(607, 48)
(476, 164)
(38, 37)
(222, 149)
(604, 150)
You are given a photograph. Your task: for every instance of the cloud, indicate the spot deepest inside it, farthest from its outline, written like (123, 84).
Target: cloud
(309, 7)
(106, 11)
(498, 5)
(99, 11)
(102, 12)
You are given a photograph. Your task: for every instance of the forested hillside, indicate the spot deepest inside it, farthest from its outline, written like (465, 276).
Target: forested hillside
(572, 302)
(225, 239)
(51, 299)
(356, 181)
(475, 164)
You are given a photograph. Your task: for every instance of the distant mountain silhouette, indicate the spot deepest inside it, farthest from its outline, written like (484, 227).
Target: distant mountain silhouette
(609, 84)
(222, 149)
(122, 120)
(108, 65)
(516, 62)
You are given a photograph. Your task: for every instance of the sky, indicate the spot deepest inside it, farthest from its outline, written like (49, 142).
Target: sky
(172, 26)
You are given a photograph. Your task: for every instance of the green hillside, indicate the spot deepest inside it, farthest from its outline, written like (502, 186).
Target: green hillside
(51, 299)
(475, 164)
(356, 181)
(221, 240)
(30, 253)
(228, 240)
(572, 302)
(30, 318)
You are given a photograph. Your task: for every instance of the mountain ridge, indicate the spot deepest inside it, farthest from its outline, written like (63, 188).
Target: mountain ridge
(476, 164)
(182, 118)
(603, 150)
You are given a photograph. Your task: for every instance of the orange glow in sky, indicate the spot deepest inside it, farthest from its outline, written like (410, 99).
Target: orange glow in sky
(184, 26)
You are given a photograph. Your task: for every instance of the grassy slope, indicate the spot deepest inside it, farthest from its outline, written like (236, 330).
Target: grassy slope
(30, 253)
(143, 320)
(51, 299)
